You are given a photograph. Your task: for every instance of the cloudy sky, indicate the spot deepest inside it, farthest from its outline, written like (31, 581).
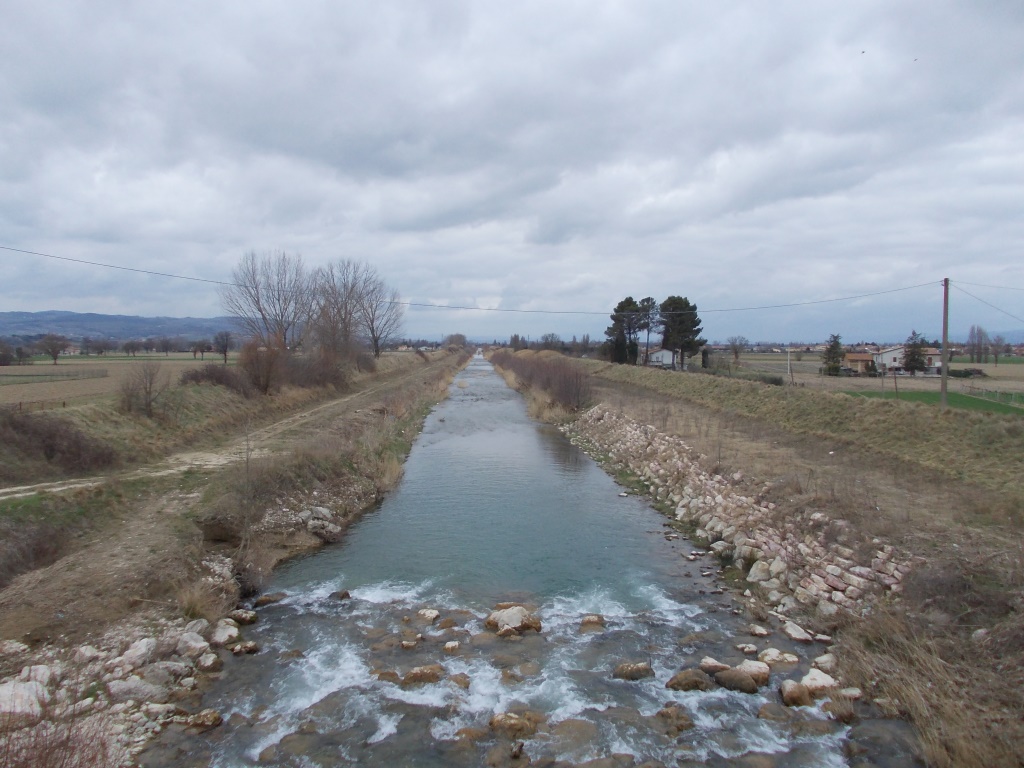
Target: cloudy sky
(552, 156)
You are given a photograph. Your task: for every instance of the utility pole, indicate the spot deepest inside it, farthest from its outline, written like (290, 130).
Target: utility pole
(945, 342)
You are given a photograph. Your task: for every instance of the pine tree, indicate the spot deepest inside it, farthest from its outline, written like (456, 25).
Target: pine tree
(832, 357)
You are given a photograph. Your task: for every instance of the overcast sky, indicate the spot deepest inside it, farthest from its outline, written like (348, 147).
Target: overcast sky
(525, 155)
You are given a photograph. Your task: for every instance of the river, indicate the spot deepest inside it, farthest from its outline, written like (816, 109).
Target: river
(495, 507)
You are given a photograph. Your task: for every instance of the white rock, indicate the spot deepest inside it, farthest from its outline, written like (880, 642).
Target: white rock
(759, 571)
(136, 689)
(192, 645)
(86, 653)
(826, 663)
(758, 670)
(39, 673)
(428, 614)
(199, 626)
(452, 646)
(773, 656)
(710, 666)
(819, 683)
(140, 652)
(22, 702)
(795, 632)
(516, 618)
(225, 632)
(758, 631)
(748, 648)
(209, 662)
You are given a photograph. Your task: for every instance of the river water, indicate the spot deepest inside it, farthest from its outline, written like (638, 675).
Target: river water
(496, 507)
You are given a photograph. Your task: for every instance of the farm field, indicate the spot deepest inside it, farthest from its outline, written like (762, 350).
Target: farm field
(76, 380)
(998, 378)
(955, 400)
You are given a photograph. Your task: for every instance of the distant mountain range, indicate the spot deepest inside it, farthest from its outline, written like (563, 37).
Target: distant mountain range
(76, 325)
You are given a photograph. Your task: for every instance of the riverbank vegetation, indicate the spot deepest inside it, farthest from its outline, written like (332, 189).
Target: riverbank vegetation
(556, 386)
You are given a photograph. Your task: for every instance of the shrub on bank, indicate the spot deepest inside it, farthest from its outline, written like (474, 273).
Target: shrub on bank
(49, 439)
(220, 375)
(564, 382)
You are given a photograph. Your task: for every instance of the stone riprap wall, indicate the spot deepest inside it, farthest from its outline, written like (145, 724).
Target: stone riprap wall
(795, 557)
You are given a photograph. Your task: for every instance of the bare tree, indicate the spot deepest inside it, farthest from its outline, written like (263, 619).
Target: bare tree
(142, 387)
(222, 343)
(978, 344)
(737, 344)
(998, 343)
(336, 319)
(53, 345)
(380, 311)
(270, 295)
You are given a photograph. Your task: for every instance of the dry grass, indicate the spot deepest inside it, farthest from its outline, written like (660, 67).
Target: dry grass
(967, 712)
(80, 741)
(982, 449)
(200, 599)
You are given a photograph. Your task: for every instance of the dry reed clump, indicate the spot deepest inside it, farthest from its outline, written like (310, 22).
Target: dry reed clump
(200, 599)
(958, 706)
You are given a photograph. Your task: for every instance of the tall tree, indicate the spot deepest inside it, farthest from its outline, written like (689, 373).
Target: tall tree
(832, 357)
(648, 316)
(625, 324)
(977, 344)
(53, 345)
(913, 353)
(337, 325)
(680, 326)
(270, 295)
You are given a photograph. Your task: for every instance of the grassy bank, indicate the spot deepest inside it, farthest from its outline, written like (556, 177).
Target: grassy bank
(99, 434)
(138, 538)
(981, 448)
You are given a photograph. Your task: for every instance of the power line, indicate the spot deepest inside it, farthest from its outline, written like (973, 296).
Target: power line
(997, 309)
(997, 287)
(115, 266)
(487, 309)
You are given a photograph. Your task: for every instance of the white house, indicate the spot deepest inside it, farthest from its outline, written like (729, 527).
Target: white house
(666, 358)
(892, 358)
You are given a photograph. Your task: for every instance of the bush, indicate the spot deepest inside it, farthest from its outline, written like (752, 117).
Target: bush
(306, 371)
(59, 442)
(25, 546)
(565, 382)
(221, 376)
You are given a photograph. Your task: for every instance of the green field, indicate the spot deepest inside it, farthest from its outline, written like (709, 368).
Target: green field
(955, 400)
(1003, 360)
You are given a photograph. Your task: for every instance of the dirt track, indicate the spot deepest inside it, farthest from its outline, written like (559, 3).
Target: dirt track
(130, 563)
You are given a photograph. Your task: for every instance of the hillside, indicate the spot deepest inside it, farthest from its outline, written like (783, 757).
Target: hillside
(78, 324)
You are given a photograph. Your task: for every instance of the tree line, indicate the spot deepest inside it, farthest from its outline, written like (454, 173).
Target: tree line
(339, 309)
(54, 345)
(675, 319)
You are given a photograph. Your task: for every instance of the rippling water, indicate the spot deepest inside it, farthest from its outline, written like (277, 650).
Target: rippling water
(493, 507)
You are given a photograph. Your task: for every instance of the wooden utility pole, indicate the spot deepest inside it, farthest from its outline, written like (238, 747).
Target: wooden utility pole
(945, 342)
